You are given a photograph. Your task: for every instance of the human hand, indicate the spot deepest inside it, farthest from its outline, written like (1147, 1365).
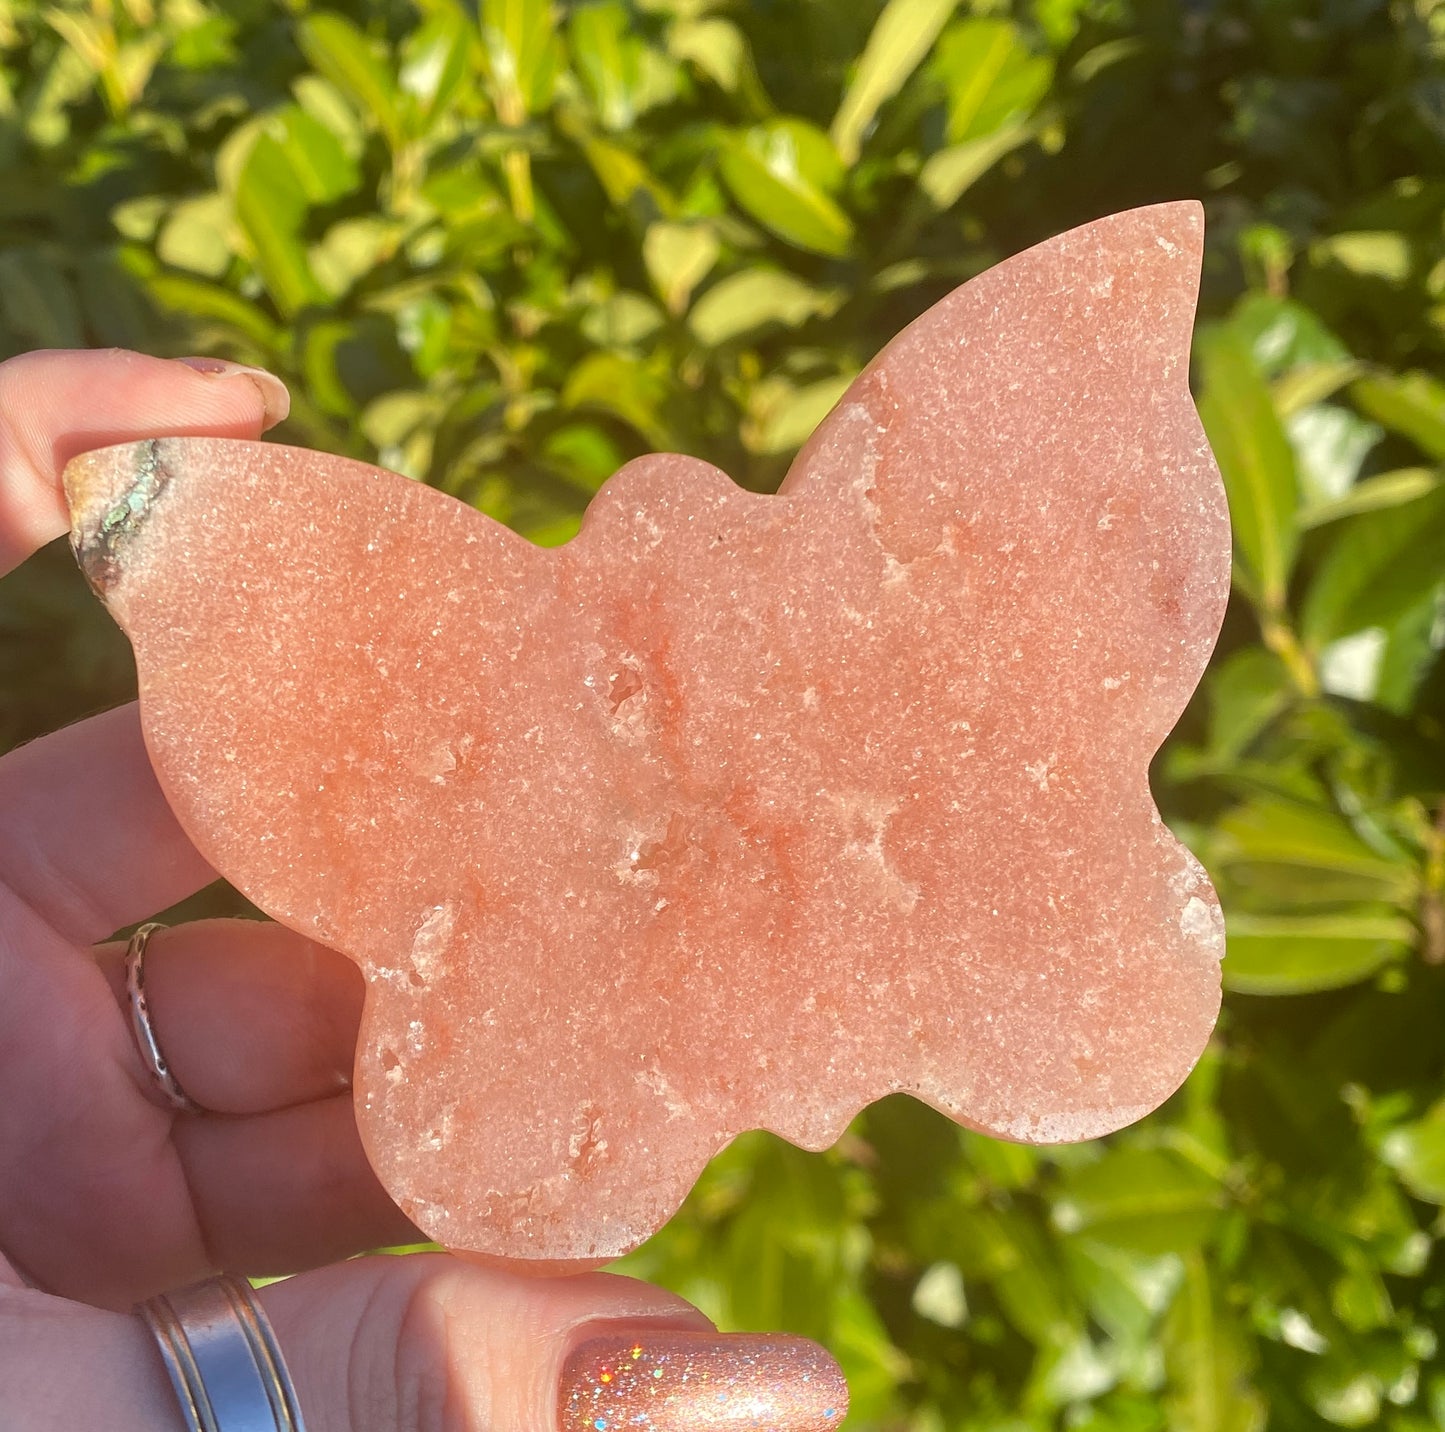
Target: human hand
(108, 1195)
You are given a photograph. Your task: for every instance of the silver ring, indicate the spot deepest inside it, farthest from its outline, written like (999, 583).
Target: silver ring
(222, 1358)
(140, 1019)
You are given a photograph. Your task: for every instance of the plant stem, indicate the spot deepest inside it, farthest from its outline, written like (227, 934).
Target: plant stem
(1280, 638)
(1432, 898)
(517, 165)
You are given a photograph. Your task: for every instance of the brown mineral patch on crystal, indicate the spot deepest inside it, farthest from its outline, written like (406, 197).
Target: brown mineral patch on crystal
(736, 811)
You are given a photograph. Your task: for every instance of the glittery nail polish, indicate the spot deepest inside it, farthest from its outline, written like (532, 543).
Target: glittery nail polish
(700, 1382)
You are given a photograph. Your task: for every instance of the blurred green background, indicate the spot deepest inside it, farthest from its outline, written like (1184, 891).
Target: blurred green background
(503, 249)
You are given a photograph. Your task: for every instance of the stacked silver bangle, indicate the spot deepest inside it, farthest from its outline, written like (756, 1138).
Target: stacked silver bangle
(222, 1358)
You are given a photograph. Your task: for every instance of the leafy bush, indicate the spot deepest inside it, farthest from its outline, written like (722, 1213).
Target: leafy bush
(503, 252)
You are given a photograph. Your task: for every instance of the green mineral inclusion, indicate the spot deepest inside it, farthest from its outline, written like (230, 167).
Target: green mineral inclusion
(142, 492)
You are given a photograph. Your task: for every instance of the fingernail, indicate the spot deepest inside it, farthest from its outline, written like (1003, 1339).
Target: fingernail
(273, 390)
(700, 1382)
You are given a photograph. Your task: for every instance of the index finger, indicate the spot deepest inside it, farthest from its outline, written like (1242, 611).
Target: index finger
(56, 403)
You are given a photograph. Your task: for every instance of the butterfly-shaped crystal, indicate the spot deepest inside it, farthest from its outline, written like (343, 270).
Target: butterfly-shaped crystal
(735, 811)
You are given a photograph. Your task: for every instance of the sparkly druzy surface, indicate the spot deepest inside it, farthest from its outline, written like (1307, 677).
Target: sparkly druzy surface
(736, 811)
(692, 1382)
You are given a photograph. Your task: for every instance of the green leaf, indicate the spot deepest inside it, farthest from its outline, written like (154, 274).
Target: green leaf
(1330, 446)
(939, 1296)
(583, 454)
(627, 181)
(66, 79)
(1146, 1200)
(991, 77)
(1382, 254)
(1416, 1151)
(136, 219)
(1075, 1371)
(353, 248)
(794, 416)
(902, 36)
(270, 206)
(797, 1212)
(324, 102)
(1283, 335)
(1246, 691)
(874, 1367)
(1207, 1357)
(678, 258)
(1344, 1393)
(1099, 58)
(195, 238)
(718, 49)
(618, 385)
(999, 1162)
(1380, 564)
(521, 50)
(1255, 460)
(782, 173)
(622, 320)
(1301, 954)
(84, 34)
(1311, 383)
(554, 532)
(1373, 494)
(949, 173)
(608, 58)
(389, 420)
(336, 48)
(752, 299)
(1350, 666)
(1412, 404)
(1126, 1290)
(1274, 831)
(1412, 647)
(321, 365)
(435, 62)
(423, 313)
(321, 165)
(205, 304)
(1361, 1301)
(1012, 1254)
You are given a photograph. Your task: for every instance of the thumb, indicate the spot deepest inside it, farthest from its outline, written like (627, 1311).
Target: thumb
(429, 1343)
(57, 402)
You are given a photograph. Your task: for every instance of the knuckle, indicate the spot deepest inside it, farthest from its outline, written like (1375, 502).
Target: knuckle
(409, 1368)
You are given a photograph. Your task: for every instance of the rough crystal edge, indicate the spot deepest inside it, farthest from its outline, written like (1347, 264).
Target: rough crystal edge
(109, 504)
